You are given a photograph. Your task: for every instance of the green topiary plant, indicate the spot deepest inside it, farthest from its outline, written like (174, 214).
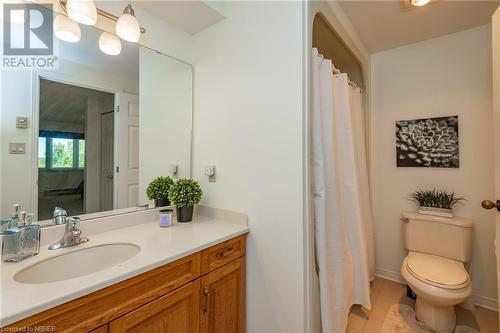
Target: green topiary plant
(158, 188)
(434, 198)
(185, 193)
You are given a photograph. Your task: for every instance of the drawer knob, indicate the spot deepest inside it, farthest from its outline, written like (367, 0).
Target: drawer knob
(221, 253)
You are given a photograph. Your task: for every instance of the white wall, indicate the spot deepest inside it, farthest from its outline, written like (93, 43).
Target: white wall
(248, 122)
(15, 102)
(450, 75)
(166, 116)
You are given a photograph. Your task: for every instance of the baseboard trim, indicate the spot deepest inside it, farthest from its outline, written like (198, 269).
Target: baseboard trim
(482, 301)
(485, 302)
(389, 275)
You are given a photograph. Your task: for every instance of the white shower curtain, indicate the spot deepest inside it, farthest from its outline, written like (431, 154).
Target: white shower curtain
(342, 214)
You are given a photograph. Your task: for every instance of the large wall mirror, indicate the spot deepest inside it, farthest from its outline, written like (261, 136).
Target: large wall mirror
(99, 129)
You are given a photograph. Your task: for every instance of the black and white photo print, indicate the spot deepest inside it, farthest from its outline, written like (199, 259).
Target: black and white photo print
(431, 142)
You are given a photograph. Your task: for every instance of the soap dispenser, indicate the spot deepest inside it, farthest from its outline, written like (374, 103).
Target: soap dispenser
(31, 236)
(22, 240)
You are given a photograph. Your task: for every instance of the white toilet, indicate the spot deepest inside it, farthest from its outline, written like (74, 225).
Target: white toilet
(434, 267)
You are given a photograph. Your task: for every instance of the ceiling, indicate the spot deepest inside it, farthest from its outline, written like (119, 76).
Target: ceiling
(64, 103)
(383, 25)
(191, 16)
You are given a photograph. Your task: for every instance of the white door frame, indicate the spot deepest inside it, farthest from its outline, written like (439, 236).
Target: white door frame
(123, 175)
(496, 120)
(61, 78)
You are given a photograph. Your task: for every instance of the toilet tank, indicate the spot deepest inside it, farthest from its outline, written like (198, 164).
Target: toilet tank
(442, 236)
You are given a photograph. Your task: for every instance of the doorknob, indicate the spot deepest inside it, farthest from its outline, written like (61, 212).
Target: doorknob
(487, 204)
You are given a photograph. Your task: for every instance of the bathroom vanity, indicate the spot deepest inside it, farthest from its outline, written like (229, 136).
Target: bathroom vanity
(186, 278)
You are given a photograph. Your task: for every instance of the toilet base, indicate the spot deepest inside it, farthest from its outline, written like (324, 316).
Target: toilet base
(437, 318)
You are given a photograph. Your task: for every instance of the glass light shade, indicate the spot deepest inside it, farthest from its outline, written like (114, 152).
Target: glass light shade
(128, 28)
(420, 3)
(66, 29)
(110, 44)
(82, 11)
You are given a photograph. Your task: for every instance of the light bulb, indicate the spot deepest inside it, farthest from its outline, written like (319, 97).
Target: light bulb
(420, 3)
(110, 44)
(66, 29)
(127, 26)
(82, 11)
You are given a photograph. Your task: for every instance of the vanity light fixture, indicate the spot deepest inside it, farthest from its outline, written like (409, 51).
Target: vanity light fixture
(82, 11)
(110, 44)
(66, 29)
(420, 3)
(127, 26)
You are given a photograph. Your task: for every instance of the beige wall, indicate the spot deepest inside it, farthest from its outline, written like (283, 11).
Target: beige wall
(248, 88)
(450, 75)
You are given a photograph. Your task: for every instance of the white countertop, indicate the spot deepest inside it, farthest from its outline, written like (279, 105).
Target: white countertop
(159, 246)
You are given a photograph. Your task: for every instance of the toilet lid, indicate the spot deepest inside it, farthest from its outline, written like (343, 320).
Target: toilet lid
(437, 271)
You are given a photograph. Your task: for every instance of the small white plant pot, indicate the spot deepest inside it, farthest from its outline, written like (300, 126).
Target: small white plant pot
(443, 212)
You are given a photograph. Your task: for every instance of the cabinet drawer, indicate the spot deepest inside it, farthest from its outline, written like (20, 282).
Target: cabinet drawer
(222, 253)
(174, 312)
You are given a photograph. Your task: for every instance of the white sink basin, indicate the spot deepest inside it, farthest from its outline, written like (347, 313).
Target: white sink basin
(77, 263)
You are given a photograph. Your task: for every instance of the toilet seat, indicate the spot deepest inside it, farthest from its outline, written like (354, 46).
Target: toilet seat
(437, 271)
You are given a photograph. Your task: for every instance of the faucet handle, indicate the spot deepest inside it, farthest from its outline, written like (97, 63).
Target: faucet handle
(73, 221)
(59, 215)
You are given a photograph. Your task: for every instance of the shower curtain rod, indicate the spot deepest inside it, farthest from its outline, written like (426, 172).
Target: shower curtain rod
(349, 81)
(337, 71)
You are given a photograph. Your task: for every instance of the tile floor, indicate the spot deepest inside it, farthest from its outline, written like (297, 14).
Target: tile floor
(386, 292)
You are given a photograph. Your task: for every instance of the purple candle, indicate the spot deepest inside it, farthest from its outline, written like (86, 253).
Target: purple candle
(165, 217)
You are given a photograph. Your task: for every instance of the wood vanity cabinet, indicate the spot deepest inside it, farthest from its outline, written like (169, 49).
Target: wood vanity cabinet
(175, 312)
(223, 299)
(203, 292)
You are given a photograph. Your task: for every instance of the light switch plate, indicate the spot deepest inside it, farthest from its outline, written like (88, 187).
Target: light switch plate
(21, 122)
(17, 148)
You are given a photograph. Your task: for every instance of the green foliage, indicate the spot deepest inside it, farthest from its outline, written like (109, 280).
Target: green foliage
(41, 162)
(158, 188)
(435, 198)
(185, 192)
(62, 153)
(81, 153)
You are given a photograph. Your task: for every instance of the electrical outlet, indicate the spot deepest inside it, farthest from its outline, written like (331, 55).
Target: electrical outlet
(173, 168)
(209, 171)
(17, 148)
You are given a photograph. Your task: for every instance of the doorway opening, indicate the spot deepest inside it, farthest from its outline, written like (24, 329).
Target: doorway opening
(75, 149)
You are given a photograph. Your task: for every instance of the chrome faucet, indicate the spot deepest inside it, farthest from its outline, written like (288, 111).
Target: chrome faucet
(72, 235)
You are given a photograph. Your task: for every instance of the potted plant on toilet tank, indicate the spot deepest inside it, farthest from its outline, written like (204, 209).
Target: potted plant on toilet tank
(157, 190)
(184, 194)
(435, 202)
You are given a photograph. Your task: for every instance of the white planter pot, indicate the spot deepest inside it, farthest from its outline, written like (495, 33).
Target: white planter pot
(443, 212)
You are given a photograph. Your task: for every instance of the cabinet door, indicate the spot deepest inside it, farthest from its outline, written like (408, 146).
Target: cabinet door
(223, 299)
(175, 312)
(102, 329)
